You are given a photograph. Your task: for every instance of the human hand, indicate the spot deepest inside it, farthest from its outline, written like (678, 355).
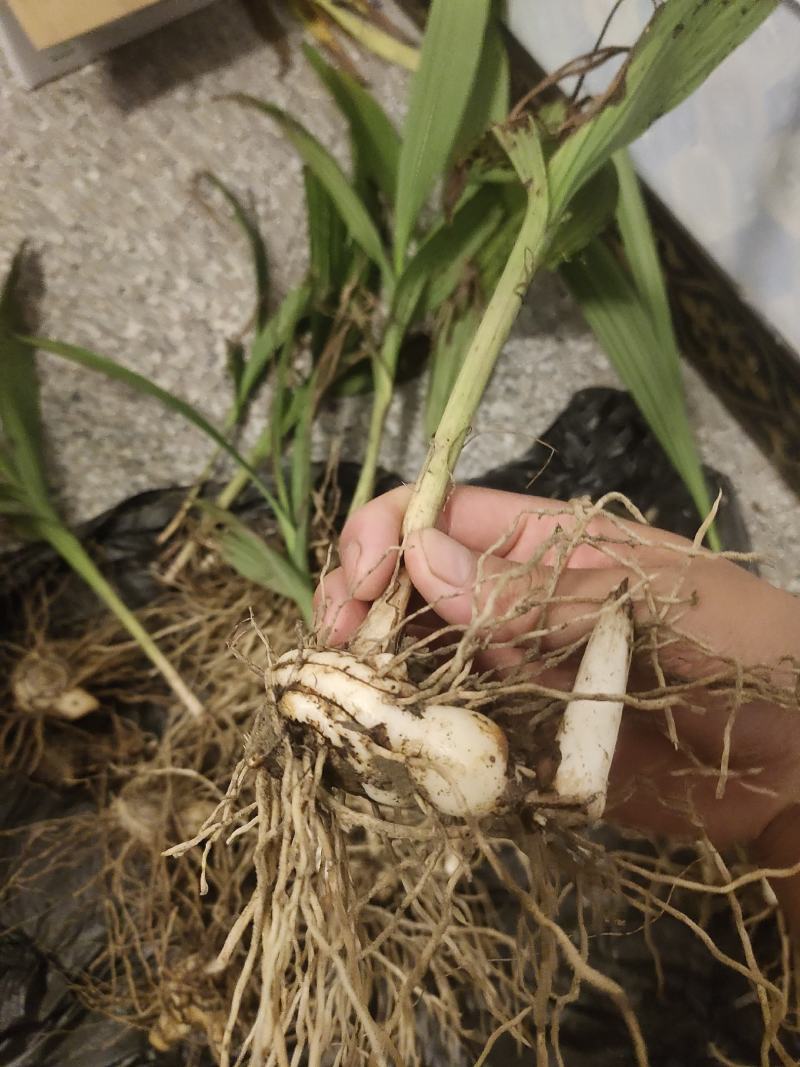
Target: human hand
(734, 616)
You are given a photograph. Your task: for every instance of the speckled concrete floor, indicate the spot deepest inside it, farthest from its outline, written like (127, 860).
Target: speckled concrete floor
(97, 172)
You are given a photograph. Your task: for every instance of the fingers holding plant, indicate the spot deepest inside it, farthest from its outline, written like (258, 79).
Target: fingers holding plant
(475, 569)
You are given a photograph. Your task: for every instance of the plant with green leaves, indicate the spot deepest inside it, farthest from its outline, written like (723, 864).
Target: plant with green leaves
(625, 304)
(314, 317)
(26, 503)
(375, 276)
(388, 749)
(418, 263)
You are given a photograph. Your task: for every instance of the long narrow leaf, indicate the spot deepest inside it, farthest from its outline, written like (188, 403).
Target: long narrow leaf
(682, 44)
(301, 477)
(332, 177)
(254, 559)
(439, 262)
(663, 361)
(327, 237)
(280, 327)
(258, 250)
(452, 339)
(373, 134)
(618, 316)
(19, 399)
(642, 255)
(25, 498)
(116, 372)
(488, 102)
(73, 552)
(446, 252)
(439, 94)
(590, 212)
(491, 257)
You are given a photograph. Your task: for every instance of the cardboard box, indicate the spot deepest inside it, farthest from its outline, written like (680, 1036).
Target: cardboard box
(43, 39)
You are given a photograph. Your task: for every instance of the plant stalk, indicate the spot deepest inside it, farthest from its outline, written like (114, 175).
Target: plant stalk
(378, 630)
(383, 380)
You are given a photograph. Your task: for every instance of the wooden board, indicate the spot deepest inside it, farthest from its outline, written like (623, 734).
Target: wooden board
(51, 22)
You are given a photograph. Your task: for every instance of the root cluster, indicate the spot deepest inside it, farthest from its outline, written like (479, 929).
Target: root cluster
(300, 923)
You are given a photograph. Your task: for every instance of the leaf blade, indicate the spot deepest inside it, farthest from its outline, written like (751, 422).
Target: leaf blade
(259, 562)
(258, 249)
(19, 400)
(617, 314)
(642, 254)
(276, 332)
(331, 176)
(438, 100)
(489, 101)
(116, 372)
(327, 237)
(372, 130)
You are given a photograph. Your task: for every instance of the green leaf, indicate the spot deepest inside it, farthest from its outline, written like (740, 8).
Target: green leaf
(73, 552)
(258, 562)
(19, 401)
(682, 44)
(258, 249)
(301, 476)
(664, 364)
(449, 58)
(642, 254)
(440, 260)
(327, 238)
(116, 372)
(331, 176)
(488, 102)
(491, 258)
(277, 331)
(25, 499)
(281, 400)
(454, 332)
(589, 213)
(447, 251)
(376, 139)
(618, 315)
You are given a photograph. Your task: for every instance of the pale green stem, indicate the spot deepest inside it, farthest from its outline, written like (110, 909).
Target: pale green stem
(384, 375)
(70, 548)
(436, 476)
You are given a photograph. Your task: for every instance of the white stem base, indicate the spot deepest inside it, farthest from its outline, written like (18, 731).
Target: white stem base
(588, 733)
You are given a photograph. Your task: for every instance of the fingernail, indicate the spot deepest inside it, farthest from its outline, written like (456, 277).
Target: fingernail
(447, 560)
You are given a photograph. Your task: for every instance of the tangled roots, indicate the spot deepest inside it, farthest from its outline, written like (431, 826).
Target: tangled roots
(333, 929)
(370, 924)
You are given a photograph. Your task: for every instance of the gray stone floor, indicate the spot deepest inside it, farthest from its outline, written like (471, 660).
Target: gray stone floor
(97, 171)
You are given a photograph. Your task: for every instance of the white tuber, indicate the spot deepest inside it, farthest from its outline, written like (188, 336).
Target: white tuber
(588, 733)
(455, 757)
